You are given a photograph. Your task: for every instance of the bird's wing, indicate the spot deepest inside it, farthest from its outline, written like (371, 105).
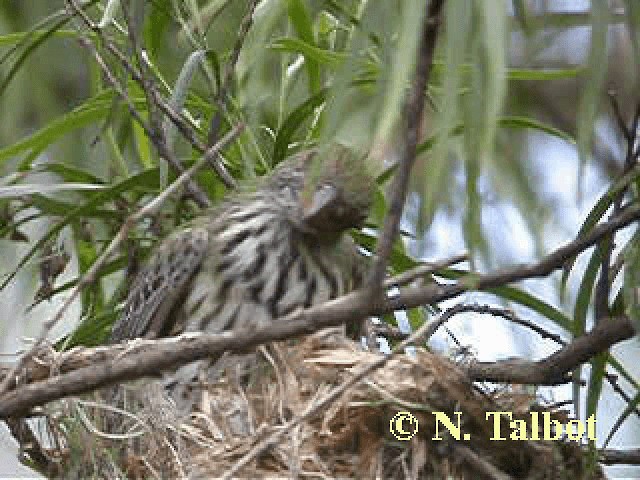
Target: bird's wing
(159, 285)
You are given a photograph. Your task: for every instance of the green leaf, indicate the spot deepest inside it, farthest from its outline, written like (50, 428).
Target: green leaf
(292, 123)
(55, 207)
(319, 55)
(583, 300)
(140, 180)
(89, 112)
(301, 21)
(70, 173)
(524, 122)
(594, 388)
(14, 191)
(600, 208)
(402, 67)
(399, 261)
(631, 287)
(524, 74)
(14, 38)
(596, 73)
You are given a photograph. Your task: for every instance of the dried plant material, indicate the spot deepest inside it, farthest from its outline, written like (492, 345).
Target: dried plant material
(350, 438)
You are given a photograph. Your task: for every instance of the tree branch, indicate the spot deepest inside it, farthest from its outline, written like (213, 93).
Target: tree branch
(413, 110)
(619, 457)
(147, 358)
(553, 370)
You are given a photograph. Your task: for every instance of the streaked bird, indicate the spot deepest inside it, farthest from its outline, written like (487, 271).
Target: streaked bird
(258, 256)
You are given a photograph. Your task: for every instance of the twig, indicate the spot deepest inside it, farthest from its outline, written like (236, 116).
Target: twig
(507, 314)
(91, 274)
(183, 127)
(553, 369)
(619, 457)
(413, 110)
(603, 285)
(221, 95)
(149, 131)
(479, 465)
(30, 444)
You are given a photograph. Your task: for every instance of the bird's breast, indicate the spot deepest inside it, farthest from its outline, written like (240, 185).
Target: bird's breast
(258, 270)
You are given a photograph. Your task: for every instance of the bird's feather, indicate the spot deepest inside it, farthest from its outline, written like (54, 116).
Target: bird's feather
(160, 284)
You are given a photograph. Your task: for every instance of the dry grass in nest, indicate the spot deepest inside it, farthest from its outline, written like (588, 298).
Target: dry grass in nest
(349, 438)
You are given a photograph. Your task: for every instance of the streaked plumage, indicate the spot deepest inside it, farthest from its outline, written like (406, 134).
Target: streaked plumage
(258, 256)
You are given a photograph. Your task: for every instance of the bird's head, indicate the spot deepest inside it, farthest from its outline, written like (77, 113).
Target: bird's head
(331, 188)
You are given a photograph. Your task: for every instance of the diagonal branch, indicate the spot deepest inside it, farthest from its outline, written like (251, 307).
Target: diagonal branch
(147, 358)
(223, 89)
(554, 369)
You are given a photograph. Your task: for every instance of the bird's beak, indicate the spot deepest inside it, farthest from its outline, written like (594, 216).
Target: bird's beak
(315, 209)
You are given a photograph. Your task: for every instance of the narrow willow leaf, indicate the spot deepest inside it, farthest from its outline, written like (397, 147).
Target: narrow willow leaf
(583, 301)
(402, 67)
(89, 112)
(14, 191)
(295, 45)
(301, 21)
(293, 122)
(631, 287)
(70, 173)
(136, 181)
(518, 296)
(176, 102)
(15, 38)
(456, 36)
(399, 259)
(531, 123)
(59, 208)
(37, 41)
(632, 10)
(599, 209)
(596, 378)
(526, 74)
(596, 74)
(629, 409)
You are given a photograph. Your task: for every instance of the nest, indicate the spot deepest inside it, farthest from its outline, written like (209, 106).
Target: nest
(255, 430)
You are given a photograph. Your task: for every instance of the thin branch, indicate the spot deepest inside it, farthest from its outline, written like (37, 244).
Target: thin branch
(413, 111)
(554, 369)
(173, 352)
(181, 124)
(158, 141)
(619, 457)
(89, 277)
(507, 314)
(221, 99)
(603, 285)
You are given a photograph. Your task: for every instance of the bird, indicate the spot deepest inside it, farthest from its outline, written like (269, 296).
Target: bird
(259, 255)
